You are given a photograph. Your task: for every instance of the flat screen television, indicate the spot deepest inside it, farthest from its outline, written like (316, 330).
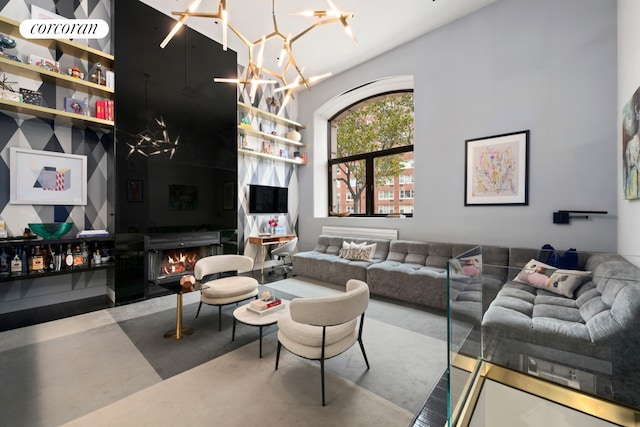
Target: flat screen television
(264, 199)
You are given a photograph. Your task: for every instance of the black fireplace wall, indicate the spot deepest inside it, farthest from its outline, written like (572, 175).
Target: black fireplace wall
(196, 188)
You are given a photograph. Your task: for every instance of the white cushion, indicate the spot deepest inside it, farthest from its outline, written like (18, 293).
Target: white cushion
(230, 286)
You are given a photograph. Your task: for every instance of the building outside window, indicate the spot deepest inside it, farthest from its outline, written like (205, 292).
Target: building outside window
(371, 155)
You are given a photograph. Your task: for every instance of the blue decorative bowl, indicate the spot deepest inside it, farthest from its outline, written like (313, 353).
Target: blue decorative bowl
(51, 230)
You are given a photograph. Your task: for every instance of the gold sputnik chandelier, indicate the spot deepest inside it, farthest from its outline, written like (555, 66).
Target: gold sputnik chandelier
(286, 62)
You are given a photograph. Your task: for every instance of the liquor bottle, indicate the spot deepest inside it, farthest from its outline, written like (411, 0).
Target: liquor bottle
(49, 259)
(85, 255)
(16, 263)
(68, 260)
(37, 263)
(4, 264)
(25, 263)
(77, 257)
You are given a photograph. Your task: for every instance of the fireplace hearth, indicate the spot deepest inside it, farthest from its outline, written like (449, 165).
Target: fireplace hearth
(170, 256)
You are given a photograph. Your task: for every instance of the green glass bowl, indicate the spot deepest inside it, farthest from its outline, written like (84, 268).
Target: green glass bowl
(51, 230)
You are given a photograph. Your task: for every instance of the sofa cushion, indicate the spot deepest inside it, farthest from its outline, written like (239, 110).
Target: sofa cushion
(544, 276)
(360, 252)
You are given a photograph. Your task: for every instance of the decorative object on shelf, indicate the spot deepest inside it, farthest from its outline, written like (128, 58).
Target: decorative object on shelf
(47, 178)
(256, 68)
(31, 96)
(245, 123)
(6, 42)
(72, 105)
(496, 170)
(75, 72)
(273, 104)
(51, 230)
(49, 65)
(267, 147)
(5, 83)
(294, 135)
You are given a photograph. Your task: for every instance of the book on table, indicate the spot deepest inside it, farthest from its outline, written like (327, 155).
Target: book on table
(265, 307)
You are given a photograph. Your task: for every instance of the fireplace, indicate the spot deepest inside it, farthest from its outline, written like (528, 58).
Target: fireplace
(170, 256)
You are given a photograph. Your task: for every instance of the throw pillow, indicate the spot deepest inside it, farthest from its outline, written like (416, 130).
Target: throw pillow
(346, 246)
(543, 276)
(468, 266)
(361, 252)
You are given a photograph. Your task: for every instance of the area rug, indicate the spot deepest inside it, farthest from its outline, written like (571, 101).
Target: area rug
(406, 359)
(239, 389)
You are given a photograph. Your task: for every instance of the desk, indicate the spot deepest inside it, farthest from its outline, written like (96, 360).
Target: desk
(270, 239)
(179, 332)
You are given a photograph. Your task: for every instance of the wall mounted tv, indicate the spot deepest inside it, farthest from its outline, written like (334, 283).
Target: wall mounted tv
(264, 199)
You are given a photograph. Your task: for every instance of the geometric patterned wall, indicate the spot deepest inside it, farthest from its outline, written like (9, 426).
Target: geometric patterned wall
(26, 131)
(254, 170)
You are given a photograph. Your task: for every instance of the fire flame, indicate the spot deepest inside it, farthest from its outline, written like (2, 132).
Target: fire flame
(179, 262)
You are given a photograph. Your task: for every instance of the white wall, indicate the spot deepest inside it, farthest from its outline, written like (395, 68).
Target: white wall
(628, 83)
(514, 65)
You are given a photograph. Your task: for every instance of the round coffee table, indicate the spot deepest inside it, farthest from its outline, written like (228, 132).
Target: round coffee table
(248, 317)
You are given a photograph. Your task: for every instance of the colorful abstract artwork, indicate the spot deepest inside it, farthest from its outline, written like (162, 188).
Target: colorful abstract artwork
(47, 178)
(496, 170)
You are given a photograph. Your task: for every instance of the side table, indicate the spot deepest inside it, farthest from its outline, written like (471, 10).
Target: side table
(248, 317)
(179, 332)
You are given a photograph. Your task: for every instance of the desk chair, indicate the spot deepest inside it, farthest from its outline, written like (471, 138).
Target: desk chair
(284, 251)
(323, 327)
(225, 290)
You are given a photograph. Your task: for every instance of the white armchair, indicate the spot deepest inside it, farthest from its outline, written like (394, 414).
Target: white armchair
(225, 290)
(324, 327)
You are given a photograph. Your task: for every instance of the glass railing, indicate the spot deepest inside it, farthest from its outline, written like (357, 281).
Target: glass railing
(565, 318)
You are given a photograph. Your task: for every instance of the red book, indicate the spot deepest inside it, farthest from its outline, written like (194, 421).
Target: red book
(100, 109)
(109, 114)
(274, 303)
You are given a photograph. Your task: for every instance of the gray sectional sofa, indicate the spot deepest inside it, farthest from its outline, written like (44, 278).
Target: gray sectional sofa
(589, 340)
(412, 271)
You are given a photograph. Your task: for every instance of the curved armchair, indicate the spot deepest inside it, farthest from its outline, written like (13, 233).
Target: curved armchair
(324, 327)
(225, 290)
(284, 251)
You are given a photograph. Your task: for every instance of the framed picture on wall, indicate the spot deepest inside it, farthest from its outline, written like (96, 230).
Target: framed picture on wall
(496, 170)
(47, 178)
(134, 190)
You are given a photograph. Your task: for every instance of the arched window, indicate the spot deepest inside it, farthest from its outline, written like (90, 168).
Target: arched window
(371, 157)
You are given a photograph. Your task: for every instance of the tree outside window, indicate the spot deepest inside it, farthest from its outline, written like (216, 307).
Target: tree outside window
(371, 155)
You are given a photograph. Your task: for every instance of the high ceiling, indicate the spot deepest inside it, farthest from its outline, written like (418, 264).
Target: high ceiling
(378, 26)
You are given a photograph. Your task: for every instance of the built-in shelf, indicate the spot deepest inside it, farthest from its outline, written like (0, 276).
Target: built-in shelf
(12, 28)
(268, 156)
(256, 112)
(259, 134)
(59, 79)
(53, 114)
(43, 274)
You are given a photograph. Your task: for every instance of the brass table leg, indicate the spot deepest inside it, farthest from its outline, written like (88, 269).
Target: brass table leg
(179, 332)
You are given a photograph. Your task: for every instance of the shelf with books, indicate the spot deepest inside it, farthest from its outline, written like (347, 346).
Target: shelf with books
(54, 114)
(33, 72)
(259, 134)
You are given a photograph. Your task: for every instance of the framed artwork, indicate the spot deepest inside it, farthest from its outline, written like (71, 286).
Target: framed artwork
(496, 170)
(183, 197)
(134, 190)
(47, 178)
(76, 106)
(229, 196)
(631, 148)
